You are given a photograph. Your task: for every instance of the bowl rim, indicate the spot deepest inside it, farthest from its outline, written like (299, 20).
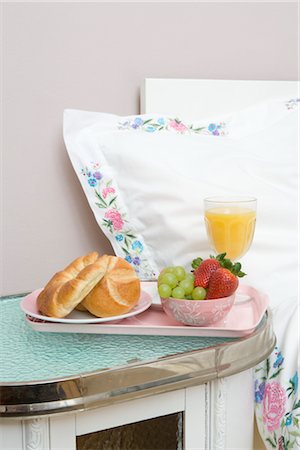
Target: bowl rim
(232, 296)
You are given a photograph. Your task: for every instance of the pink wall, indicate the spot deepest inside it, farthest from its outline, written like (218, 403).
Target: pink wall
(94, 56)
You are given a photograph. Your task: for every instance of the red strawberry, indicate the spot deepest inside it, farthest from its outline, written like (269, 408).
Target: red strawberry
(222, 283)
(203, 273)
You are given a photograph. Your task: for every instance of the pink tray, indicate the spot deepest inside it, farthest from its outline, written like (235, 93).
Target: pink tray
(242, 320)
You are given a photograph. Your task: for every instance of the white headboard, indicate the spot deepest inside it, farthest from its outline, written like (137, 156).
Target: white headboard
(205, 98)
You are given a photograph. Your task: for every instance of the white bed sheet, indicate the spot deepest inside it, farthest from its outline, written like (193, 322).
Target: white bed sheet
(275, 379)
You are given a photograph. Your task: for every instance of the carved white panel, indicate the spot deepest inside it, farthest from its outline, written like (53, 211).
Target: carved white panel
(207, 441)
(218, 410)
(36, 434)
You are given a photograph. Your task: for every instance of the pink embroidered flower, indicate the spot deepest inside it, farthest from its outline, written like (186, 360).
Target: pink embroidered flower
(107, 190)
(115, 217)
(273, 405)
(178, 126)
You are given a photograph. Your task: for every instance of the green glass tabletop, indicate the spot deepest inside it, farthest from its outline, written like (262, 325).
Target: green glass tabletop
(29, 355)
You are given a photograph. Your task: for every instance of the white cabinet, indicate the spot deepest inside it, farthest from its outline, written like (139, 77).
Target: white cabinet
(216, 415)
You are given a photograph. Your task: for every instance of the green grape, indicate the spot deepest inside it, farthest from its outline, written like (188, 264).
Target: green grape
(162, 273)
(178, 292)
(170, 269)
(169, 279)
(189, 297)
(199, 293)
(160, 276)
(187, 285)
(180, 273)
(164, 290)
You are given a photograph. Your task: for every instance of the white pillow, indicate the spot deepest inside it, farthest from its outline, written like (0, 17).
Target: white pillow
(145, 178)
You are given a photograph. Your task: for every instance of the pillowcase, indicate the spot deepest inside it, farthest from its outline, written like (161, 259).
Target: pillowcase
(145, 178)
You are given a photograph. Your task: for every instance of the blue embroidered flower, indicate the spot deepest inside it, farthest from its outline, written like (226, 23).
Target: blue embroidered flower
(279, 360)
(289, 420)
(150, 129)
(97, 175)
(294, 381)
(137, 122)
(92, 181)
(259, 393)
(136, 261)
(128, 258)
(212, 127)
(119, 237)
(138, 246)
(291, 104)
(161, 121)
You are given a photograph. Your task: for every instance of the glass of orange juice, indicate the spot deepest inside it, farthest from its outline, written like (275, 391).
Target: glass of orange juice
(230, 224)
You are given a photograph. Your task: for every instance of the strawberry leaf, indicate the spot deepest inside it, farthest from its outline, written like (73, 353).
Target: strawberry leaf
(227, 264)
(236, 270)
(219, 257)
(196, 262)
(241, 274)
(236, 267)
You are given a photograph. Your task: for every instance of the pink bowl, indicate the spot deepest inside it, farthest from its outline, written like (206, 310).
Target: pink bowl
(197, 312)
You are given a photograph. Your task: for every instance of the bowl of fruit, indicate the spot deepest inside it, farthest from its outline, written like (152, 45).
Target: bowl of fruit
(203, 296)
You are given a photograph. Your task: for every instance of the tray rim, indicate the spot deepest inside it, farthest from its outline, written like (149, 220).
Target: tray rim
(121, 328)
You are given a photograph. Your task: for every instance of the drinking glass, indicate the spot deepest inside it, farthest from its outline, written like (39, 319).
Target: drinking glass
(230, 224)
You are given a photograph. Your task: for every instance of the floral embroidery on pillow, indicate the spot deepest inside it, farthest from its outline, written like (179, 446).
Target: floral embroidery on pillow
(175, 125)
(277, 403)
(291, 104)
(114, 220)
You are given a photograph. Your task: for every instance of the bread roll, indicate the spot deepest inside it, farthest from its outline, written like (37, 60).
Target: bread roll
(69, 287)
(80, 307)
(116, 293)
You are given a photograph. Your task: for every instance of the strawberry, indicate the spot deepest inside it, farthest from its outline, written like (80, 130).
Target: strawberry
(203, 273)
(218, 275)
(222, 283)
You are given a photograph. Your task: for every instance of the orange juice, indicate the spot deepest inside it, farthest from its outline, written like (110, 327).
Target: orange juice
(230, 229)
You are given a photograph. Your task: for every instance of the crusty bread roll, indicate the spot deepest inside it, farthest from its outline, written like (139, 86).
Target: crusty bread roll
(69, 287)
(116, 293)
(80, 307)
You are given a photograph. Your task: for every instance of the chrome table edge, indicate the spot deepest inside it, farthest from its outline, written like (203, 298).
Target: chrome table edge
(136, 379)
